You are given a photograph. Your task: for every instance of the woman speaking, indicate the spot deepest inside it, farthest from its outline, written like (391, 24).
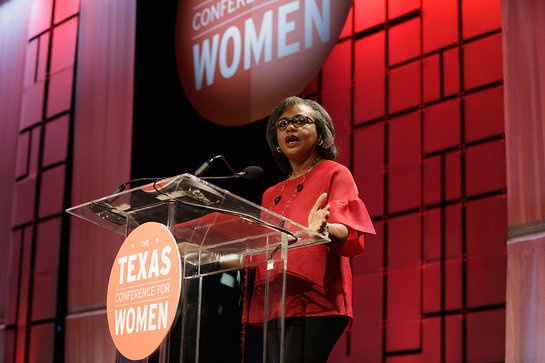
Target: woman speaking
(321, 194)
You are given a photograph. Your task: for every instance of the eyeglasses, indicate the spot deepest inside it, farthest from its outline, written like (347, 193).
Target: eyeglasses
(297, 121)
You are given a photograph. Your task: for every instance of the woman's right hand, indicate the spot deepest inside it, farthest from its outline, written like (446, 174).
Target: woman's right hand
(318, 216)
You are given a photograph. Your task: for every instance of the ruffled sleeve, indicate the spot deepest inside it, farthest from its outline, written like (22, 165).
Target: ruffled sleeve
(353, 214)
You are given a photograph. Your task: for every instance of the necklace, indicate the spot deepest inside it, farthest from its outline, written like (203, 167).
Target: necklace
(297, 190)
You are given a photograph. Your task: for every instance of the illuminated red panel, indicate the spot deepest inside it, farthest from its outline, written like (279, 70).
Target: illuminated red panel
(40, 17)
(442, 126)
(369, 166)
(24, 282)
(403, 309)
(483, 61)
(453, 284)
(368, 311)
(440, 23)
(63, 51)
(431, 78)
(432, 180)
(453, 339)
(432, 235)
(480, 16)
(453, 175)
(24, 201)
(369, 13)
(52, 191)
(336, 96)
(60, 92)
(45, 270)
(89, 328)
(451, 72)
(9, 339)
(44, 295)
(34, 150)
(404, 89)
(13, 271)
(371, 261)
(485, 167)
(42, 343)
(486, 279)
(404, 231)
(30, 63)
(486, 336)
(404, 179)
(431, 340)
(337, 105)
(404, 41)
(453, 231)
(32, 104)
(484, 114)
(347, 28)
(399, 7)
(369, 77)
(486, 221)
(65, 9)
(22, 154)
(43, 57)
(55, 141)
(431, 287)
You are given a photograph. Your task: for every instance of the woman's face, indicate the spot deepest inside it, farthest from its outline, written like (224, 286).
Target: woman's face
(298, 143)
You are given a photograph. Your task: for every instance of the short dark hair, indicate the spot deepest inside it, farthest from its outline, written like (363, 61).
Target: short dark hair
(324, 128)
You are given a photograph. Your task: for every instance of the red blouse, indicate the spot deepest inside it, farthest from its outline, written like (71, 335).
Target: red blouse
(319, 277)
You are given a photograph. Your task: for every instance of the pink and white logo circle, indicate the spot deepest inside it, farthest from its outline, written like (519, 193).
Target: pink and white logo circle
(238, 58)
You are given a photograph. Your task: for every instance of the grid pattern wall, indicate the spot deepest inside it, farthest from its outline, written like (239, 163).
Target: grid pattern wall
(38, 257)
(416, 91)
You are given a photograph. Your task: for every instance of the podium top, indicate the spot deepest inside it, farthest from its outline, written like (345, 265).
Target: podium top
(197, 212)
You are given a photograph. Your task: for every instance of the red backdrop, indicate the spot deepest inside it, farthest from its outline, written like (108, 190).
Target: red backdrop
(416, 92)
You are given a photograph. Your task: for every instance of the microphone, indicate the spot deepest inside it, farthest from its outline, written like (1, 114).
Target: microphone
(250, 172)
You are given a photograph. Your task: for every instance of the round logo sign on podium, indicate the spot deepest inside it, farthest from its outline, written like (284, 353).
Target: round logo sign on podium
(144, 290)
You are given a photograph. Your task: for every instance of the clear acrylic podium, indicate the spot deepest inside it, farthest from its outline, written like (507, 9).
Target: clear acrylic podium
(222, 239)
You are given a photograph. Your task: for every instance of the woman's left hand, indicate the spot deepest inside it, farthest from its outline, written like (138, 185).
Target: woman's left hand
(317, 218)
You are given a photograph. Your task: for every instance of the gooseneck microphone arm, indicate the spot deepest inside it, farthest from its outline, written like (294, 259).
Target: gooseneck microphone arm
(206, 165)
(250, 172)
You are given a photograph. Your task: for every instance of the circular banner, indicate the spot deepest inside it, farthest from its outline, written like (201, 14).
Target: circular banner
(143, 290)
(237, 59)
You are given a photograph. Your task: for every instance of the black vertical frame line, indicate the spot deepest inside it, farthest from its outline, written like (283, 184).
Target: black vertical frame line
(28, 150)
(64, 248)
(422, 175)
(443, 259)
(462, 181)
(348, 347)
(443, 236)
(37, 60)
(386, 181)
(38, 186)
(352, 87)
(442, 263)
(21, 242)
(441, 75)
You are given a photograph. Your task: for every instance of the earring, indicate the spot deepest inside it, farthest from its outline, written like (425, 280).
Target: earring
(278, 150)
(320, 142)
